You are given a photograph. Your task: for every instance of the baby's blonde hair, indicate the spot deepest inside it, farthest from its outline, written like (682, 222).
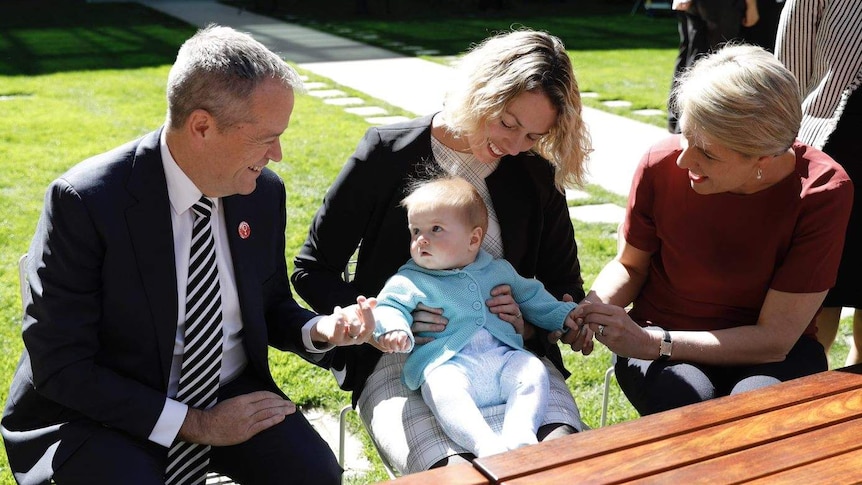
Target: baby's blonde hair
(449, 192)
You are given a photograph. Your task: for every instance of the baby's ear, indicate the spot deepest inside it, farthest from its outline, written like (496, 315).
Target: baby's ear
(476, 238)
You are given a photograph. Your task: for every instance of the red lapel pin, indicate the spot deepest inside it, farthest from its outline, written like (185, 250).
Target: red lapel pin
(244, 230)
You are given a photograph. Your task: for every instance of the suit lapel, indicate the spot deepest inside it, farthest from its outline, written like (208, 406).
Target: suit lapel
(151, 232)
(241, 219)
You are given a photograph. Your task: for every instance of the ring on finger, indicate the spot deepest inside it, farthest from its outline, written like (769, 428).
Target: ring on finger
(354, 337)
(518, 315)
(602, 330)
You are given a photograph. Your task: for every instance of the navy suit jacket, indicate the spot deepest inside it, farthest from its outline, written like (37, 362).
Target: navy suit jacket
(100, 329)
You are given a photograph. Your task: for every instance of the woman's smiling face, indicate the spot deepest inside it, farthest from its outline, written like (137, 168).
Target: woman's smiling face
(714, 168)
(526, 119)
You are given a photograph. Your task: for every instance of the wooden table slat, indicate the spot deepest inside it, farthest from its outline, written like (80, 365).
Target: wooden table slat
(775, 457)
(632, 439)
(701, 444)
(460, 474)
(844, 468)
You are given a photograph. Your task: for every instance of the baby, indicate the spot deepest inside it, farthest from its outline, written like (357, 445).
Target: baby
(478, 360)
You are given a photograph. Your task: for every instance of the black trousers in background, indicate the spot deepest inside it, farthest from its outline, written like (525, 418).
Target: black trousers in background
(703, 27)
(289, 452)
(653, 386)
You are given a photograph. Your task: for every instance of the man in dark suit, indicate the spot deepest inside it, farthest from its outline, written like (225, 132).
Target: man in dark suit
(107, 337)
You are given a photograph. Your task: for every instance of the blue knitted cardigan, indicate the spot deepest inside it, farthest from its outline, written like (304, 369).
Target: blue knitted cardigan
(461, 293)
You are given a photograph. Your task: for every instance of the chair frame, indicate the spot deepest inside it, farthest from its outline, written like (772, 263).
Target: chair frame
(347, 274)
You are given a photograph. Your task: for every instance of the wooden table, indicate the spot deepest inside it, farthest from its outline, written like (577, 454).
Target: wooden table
(808, 430)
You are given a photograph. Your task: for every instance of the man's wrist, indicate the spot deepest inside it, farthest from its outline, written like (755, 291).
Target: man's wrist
(191, 430)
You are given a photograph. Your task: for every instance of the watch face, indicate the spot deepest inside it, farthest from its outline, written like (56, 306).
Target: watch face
(665, 348)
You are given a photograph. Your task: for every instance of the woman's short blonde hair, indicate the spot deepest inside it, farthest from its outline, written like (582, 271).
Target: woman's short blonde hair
(742, 97)
(504, 66)
(449, 192)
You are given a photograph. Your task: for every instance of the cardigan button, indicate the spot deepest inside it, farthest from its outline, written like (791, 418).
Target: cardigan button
(477, 305)
(472, 287)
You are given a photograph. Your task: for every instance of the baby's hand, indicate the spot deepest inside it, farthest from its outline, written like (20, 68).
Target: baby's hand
(395, 341)
(573, 322)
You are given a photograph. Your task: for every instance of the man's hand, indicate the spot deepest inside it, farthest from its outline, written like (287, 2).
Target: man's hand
(352, 325)
(235, 420)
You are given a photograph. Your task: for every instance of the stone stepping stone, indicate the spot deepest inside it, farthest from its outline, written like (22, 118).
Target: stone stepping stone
(315, 85)
(610, 213)
(344, 101)
(327, 93)
(648, 112)
(572, 194)
(617, 103)
(366, 111)
(427, 52)
(385, 120)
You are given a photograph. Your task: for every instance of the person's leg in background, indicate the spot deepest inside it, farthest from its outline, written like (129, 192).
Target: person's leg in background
(853, 357)
(827, 326)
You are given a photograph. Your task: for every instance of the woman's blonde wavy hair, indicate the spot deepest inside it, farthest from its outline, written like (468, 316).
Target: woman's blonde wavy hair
(506, 65)
(743, 97)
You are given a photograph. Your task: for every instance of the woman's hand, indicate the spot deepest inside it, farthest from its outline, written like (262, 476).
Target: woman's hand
(752, 15)
(613, 327)
(680, 5)
(352, 325)
(504, 306)
(427, 319)
(579, 337)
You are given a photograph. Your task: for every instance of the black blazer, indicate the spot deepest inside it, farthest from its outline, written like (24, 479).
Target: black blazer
(363, 205)
(100, 330)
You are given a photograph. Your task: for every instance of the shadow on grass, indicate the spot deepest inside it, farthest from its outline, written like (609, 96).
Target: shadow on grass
(450, 27)
(43, 37)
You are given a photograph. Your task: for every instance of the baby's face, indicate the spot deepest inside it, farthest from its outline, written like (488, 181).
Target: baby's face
(440, 239)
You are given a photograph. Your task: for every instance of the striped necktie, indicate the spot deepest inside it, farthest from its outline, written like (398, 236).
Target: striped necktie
(199, 377)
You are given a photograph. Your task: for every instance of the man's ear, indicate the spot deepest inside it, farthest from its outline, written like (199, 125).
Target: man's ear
(476, 238)
(200, 124)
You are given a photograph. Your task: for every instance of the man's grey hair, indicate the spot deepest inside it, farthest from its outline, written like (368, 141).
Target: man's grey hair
(217, 70)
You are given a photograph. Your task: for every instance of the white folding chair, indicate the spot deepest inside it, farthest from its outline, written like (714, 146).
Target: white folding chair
(23, 284)
(606, 395)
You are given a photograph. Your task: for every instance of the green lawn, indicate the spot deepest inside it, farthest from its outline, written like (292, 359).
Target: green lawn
(79, 79)
(616, 55)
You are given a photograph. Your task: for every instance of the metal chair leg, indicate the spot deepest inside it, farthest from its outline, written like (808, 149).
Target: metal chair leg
(605, 397)
(342, 442)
